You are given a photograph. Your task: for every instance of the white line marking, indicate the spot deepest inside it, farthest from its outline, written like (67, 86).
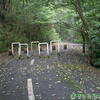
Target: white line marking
(30, 90)
(48, 67)
(32, 62)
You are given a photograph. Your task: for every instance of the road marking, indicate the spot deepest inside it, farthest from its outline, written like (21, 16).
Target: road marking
(32, 62)
(30, 90)
(47, 66)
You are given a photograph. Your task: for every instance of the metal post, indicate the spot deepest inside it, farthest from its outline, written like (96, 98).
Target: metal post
(39, 48)
(47, 49)
(12, 48)
(51, 46)
(31, 46)
(47, 46)
(27, 51)
(58, 45)
(34, 42)
(19, 50)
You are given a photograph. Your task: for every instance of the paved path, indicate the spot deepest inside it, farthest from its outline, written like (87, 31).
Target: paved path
(53, 78)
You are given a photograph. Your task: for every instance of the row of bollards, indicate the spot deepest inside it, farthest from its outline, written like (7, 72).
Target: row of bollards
(54, 45)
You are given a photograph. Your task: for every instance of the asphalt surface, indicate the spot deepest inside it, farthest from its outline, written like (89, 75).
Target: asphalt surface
(54, 78)
(46, 82)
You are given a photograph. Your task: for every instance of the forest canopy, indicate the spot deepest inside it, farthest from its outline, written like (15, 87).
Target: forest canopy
(68, 20)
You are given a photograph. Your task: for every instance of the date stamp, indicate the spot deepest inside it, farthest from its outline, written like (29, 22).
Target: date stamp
(77, 96)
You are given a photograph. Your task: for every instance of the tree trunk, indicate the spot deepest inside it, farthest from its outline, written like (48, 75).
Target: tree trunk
(84, 46)
(83, 41)
(83, 37)
(78, 8)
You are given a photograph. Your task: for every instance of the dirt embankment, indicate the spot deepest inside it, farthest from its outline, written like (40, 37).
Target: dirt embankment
(4, 58)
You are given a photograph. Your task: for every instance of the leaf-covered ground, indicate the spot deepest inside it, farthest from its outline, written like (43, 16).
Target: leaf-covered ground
(54, 78)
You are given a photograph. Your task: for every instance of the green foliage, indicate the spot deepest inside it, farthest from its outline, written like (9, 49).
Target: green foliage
(3, 46)
(44, 20)
(97, 62)
(93, 17)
